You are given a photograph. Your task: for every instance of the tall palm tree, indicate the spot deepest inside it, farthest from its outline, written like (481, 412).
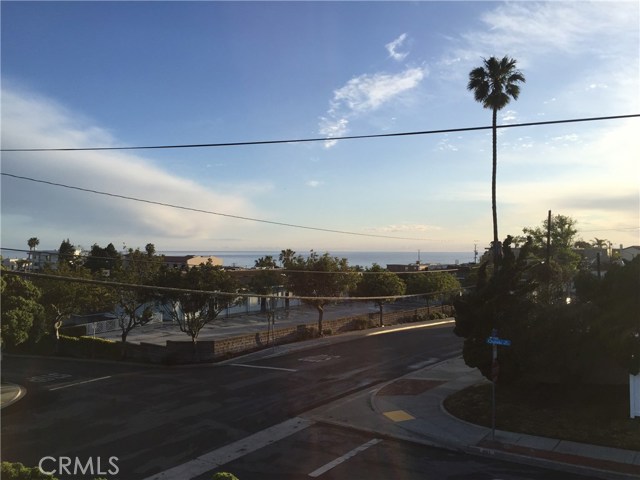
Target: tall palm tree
(494, 85)
(33, 242)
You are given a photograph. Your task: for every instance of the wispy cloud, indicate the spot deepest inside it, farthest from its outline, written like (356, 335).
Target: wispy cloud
(393, 48)
(406, 228)
(314, 183)
(31, 121)
(364, 94)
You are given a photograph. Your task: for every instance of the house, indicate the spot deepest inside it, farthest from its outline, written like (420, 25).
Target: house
(629, 253)
(183, 262)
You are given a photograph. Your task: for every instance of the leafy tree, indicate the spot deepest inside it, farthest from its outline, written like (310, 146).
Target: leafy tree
(134, 306)
(500, 302)
(20, 309)
(67, 254)
(64, 297)
(618, 314)
(563, 261)
(494, 85)
(318, 277)
(197, 306)
(106, 259)
(434, 285)
(378, 282)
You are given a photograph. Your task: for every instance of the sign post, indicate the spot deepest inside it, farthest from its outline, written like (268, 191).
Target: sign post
(494, 341)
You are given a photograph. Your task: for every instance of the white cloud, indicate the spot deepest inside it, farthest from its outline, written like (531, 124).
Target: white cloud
(559, 26)
(314, 183)
(393, 47)
(364, 94)
(32, 121)
(406, 228)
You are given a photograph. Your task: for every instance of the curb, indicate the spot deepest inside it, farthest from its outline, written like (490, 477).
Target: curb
(21, 392)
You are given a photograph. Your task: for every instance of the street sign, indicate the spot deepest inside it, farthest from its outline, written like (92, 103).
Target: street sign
(499, 341)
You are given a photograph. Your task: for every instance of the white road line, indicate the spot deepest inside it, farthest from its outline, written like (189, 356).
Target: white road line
(261, 366)
(79, 383)
(344, 458)
(233, 451)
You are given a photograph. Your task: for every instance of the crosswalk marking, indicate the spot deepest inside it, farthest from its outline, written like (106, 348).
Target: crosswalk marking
(344, 458)
(233, 451)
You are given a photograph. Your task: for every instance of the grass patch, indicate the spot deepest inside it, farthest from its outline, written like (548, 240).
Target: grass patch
(594, 414)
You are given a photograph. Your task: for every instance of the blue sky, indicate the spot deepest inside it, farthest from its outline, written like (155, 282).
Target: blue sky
(86, 74)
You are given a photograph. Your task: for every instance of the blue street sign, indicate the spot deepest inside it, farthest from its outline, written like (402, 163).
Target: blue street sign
(499, 341)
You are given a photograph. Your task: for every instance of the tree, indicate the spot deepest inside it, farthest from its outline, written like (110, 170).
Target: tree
(319, 278)
(134, 306)
(64, 297)
(197, 306)
(434, 285)
(560, 260)
(378, 282)
(101, 260)
(286, 257)
(494, 85)
(33, 242)
(617, 310)
(265, 280)
(20, 309)
(67, 254)
(501, 303)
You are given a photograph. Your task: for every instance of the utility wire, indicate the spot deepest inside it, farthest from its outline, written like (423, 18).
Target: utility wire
(319, 139)
(132, 286)
(208, 212)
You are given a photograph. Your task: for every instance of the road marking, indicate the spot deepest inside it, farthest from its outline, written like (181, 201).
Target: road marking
(233, 451)
(261, 366)
(318, 358)
(344, 458)
(399, 329)
(398, 416)
(418, 365)
(78, 383)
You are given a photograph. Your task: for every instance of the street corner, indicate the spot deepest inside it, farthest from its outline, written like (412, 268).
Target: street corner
(10, 393)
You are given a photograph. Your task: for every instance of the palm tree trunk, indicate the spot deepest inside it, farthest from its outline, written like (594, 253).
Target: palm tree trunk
(495, 246)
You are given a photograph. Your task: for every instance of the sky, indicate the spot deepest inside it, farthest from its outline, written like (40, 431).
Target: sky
(113, 74)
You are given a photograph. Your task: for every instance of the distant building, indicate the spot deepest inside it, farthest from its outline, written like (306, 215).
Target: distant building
(184, 262)
(629, 253)
(38, 259)
(411, 267)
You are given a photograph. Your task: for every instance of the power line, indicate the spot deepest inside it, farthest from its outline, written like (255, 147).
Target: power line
(109, 283)
(208, 212)
(320, 139)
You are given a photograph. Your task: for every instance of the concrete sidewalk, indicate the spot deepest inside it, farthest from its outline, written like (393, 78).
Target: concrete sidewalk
(411, 408)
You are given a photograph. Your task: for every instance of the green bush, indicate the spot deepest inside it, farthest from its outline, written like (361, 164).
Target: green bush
(17, 471)
(327, 331)
(90, 347)
(224, 476)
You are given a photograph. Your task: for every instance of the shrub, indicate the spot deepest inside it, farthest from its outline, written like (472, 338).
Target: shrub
(224, 476)
(327, 331)
(17, 471)
(89, 347)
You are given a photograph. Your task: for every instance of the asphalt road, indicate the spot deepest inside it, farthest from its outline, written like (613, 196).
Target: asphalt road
(156, 418)
(334, 453)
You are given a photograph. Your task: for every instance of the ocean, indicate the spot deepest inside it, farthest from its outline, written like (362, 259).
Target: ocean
(247, 259)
